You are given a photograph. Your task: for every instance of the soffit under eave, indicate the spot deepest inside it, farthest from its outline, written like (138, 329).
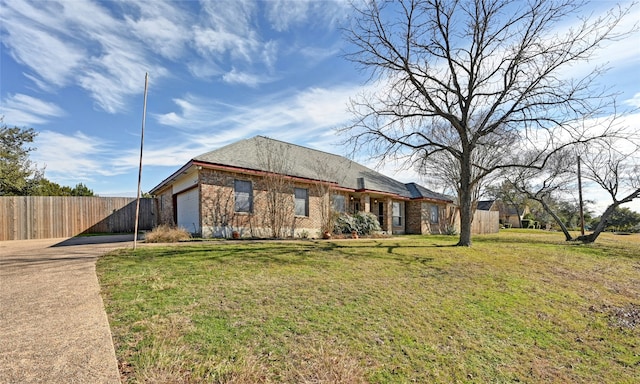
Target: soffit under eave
(432, 200)
(168, 182)
(374, 193)
(256, 172)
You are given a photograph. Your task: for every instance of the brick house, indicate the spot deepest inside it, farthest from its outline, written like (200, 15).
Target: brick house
(261, 187)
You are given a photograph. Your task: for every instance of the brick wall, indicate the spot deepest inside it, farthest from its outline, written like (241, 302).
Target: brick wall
(165, 207)
(218, 206)
(218, 218)
(415, 221)
(419, 218)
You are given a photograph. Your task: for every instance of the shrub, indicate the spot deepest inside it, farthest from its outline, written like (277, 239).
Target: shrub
(166, 234)
(344, 223)
(364, 223)
(452, 231)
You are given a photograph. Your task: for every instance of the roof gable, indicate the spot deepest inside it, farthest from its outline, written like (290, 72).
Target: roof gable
(485, 205)
(419, 192)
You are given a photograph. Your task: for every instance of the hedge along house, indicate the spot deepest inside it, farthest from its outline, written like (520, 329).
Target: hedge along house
(261, 187)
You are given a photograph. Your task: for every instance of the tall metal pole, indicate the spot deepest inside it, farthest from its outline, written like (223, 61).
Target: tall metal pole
(580, 198)
(144, 116)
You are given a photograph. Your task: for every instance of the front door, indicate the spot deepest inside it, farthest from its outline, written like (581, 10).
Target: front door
(381, 214)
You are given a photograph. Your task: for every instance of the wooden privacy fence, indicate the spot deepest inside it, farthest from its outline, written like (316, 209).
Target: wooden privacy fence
(485, 222)
(44, 217)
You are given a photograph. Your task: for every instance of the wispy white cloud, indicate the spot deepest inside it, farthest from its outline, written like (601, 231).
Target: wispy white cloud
(625, 51)
(252, 80)
(319, 53)
(194, 113)
(634, 101)
(53, 59)
(621, 54)
(115, 76)
(231, 44)
(162, 25)
(23, 110)
(72, 158)
(107, 49)
(228, 29)
(217, 44)
(270, 54)
(78, 157)
(285, 14)
(78, 43)
(308, 117)
(203, 69)
(155, 155)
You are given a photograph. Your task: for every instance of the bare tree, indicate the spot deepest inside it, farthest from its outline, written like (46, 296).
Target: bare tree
(469, 76)
(220, 213)
(329, 176)
(546, 184)
(323, 190)
(444, 169)
(510, 196)
(613, 165)
(616, 169)
(274, 158)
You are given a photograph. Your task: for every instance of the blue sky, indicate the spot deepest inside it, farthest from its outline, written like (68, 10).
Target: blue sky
(219, 72)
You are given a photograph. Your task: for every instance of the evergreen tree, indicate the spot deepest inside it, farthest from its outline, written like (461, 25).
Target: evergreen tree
(17, 172)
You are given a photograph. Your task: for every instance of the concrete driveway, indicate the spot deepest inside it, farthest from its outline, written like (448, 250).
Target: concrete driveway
(53, 327)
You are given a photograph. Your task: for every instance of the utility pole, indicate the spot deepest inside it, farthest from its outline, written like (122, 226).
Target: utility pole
(144, 115)
(580, 198)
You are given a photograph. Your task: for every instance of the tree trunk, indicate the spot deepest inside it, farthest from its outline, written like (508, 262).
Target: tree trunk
(465, 219)
(465, 196)
(546, 207)
(519, 213)
(590, 238)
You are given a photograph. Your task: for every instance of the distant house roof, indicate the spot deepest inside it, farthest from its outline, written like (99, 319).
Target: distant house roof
(418, 191)
(485, 205)
(297, 161)
(508, 209)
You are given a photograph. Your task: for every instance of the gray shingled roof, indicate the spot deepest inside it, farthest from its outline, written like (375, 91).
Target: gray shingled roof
(295, 160)
(485, 205)
(418, 191)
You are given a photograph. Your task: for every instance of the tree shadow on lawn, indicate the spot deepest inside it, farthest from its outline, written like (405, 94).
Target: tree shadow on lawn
(418, 253)
(282, 253)
(423, 250)
(315, 252)
(288, 253)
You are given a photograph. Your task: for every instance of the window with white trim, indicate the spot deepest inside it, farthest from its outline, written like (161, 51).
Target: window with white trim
(338, 202)
(243, 196)
(434, 216)
(397, 214)
(301, 197)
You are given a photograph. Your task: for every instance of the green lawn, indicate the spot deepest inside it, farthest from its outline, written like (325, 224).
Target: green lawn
(520, 306)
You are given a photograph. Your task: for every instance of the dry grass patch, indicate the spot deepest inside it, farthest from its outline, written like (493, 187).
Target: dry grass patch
(166, 234)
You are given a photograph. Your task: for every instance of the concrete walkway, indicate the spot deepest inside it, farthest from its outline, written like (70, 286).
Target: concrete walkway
(53, 327)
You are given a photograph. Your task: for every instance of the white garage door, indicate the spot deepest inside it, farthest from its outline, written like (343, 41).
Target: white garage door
(188, 210)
